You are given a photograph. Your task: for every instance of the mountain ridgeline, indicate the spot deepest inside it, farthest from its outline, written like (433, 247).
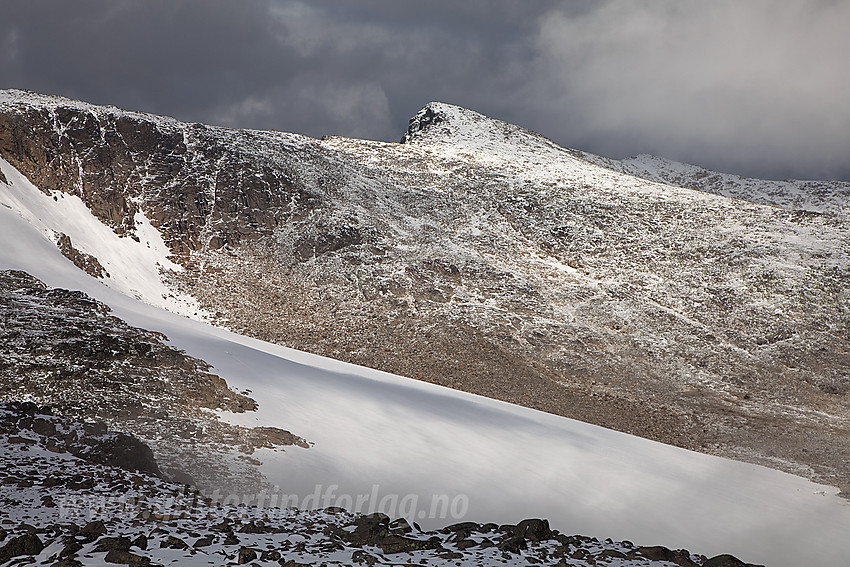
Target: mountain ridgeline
(484, 257)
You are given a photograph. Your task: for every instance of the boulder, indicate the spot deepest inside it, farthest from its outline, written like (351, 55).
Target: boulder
(533, 529)
(246, 555)
(725, 560)
(659, 553)
(27, 544)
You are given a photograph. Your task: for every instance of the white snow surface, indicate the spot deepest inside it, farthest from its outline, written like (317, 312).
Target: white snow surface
(373, 431)
(134, 267)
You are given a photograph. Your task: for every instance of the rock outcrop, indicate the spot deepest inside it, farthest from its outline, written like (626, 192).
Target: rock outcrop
(63, 349)
(196, 186)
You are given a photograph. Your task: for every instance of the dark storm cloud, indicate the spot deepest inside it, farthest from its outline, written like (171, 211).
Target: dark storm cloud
(757, 87)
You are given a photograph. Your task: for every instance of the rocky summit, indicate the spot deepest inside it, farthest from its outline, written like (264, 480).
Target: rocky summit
(680, 305)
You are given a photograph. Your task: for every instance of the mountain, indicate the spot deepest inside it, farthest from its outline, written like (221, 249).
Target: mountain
(829, 197)
(476, 255)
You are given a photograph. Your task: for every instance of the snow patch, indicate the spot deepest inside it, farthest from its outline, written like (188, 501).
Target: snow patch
(134, 267)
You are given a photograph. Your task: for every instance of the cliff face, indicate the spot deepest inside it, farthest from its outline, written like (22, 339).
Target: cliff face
(195, 188)
(484, 257)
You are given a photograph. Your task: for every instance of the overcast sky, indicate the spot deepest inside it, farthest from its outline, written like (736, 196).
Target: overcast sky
(760, 87)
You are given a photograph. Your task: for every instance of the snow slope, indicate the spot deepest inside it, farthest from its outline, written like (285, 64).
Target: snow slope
(133, 266)
(377, 435)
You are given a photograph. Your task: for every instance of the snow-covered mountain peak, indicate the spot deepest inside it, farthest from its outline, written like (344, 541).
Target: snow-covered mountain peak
(483, 257)
(438, 122)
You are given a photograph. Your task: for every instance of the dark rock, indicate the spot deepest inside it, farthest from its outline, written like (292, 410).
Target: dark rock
(124, 451)
(659, 553)
(172, 542)
(461, 530)
(361, 557)
(419, 123)
(43, 427)
(72, 546)
(368, 529)
(119, 543)
(93, 529)
(123, 557)
(513, 544)
(270, 555)
(141, 542)
(396, 544)
(254, 527)
(724, 561)
(205, 541)
(224, 526)
(486, 542)
(400, 526)
(374, 529)
(246, 555)
(28, 544)
(86, 262)
(533, 529)
(79, 482)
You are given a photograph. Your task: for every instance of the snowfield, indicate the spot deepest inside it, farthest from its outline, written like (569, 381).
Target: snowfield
(133, 264)
(376, 435)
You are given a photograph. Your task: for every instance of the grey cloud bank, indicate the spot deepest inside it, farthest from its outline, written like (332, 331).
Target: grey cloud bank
(756, 88)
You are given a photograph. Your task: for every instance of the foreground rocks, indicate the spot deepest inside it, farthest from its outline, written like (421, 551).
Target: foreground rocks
(64, 510)
(25, 423)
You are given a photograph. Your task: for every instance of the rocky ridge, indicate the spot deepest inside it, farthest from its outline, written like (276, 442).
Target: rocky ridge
(200, 185)
(63, 349)
(484, 257)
